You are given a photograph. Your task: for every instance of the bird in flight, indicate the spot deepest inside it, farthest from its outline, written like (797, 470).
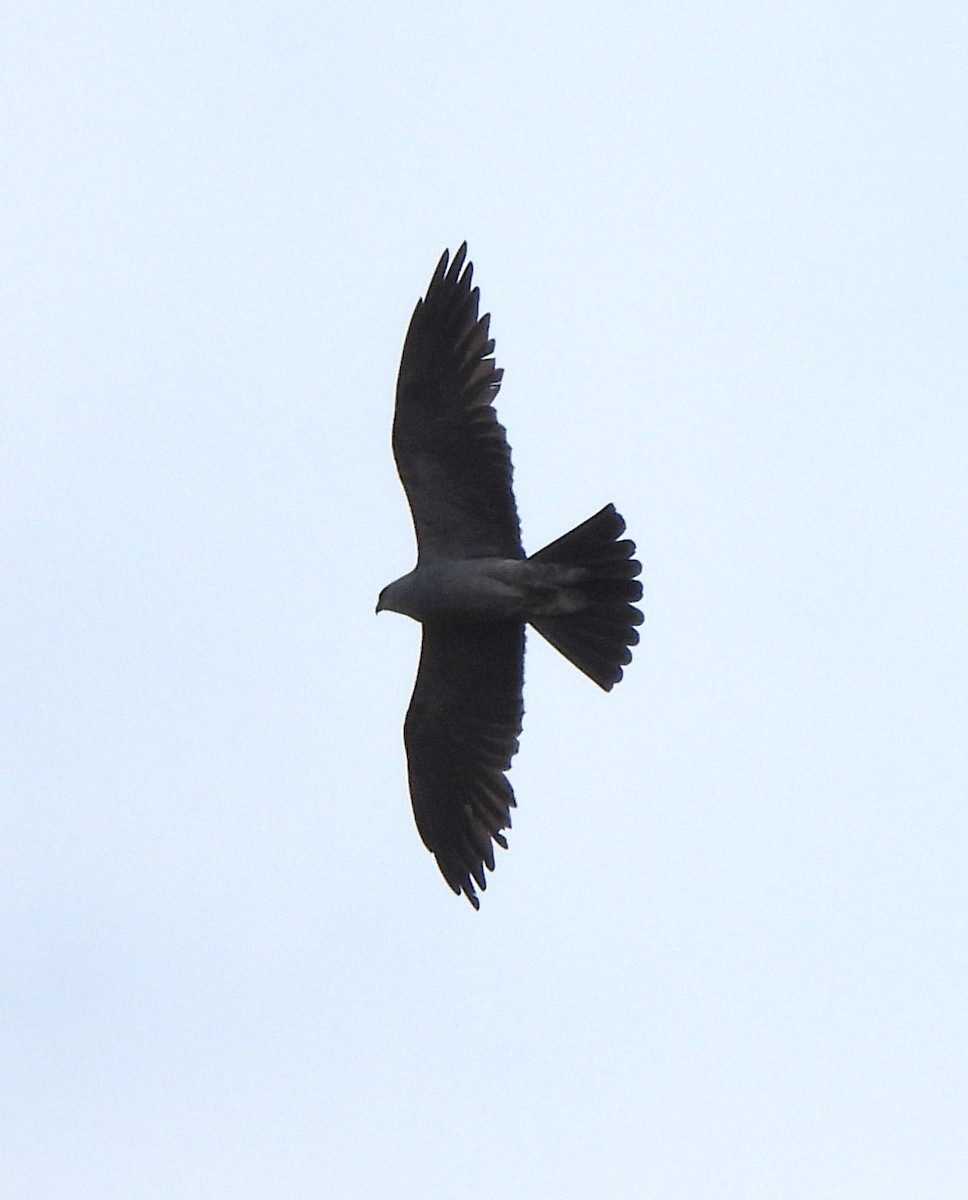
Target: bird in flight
(474, 590)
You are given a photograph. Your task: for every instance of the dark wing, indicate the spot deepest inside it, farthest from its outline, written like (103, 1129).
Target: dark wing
(461, 733)
(450, 450)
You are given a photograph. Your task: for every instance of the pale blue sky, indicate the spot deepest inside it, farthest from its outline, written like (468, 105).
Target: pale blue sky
(726, 955)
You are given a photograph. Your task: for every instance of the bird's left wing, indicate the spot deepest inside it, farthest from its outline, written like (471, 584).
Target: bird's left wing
(461, 733)
(450, 450)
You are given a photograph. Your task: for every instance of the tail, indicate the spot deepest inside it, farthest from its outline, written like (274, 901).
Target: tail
(598, 636)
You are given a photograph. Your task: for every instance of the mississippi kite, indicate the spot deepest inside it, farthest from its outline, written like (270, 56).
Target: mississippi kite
(474, 590)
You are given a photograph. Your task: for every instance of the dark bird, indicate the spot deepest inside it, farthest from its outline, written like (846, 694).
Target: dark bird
(473, 589)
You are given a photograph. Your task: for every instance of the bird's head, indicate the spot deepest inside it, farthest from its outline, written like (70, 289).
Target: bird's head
(399, 597)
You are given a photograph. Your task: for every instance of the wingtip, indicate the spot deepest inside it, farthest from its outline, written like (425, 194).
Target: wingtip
(466, 889)
(441, 268)
(457, 273)
(453, 270)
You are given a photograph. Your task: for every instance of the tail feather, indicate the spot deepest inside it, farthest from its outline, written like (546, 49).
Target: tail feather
(597, 637)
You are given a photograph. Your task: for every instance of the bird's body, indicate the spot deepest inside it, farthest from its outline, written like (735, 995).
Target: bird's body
(484, 589)
(473, 589)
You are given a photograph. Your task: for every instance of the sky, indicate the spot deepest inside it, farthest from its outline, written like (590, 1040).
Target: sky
(726, 952)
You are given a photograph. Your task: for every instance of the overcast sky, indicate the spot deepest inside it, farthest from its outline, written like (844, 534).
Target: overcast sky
(726, 954)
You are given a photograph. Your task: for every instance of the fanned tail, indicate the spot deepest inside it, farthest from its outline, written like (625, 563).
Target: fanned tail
(597, 637)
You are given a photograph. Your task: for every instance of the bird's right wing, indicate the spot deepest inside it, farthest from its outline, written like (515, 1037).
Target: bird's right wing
(450, 450)
(461, 733)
